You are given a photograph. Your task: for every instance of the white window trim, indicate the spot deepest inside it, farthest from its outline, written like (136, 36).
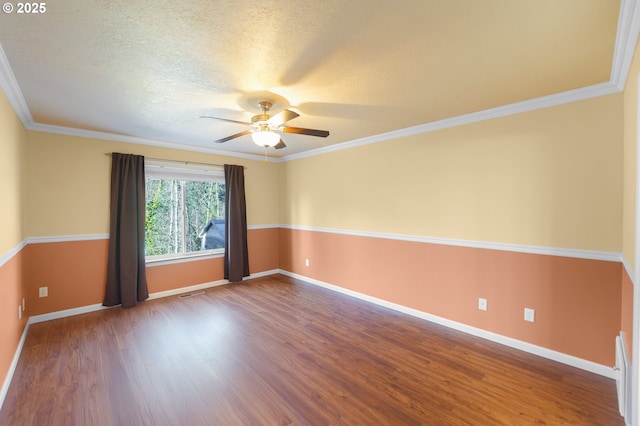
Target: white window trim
(168, 259)
(160, 169)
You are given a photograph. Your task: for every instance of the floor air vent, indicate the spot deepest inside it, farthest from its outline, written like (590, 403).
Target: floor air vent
(197, 293)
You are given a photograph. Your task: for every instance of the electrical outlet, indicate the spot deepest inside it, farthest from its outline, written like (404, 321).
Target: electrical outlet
(43, 292)
(529, 314)
(482, 304)
(306, 262)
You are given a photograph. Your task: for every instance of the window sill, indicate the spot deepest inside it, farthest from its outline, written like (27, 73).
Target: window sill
(180, 258)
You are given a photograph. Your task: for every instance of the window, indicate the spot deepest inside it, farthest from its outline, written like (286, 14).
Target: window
(184, 210)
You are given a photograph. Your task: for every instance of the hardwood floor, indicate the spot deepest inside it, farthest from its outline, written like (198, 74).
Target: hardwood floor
(275, 351)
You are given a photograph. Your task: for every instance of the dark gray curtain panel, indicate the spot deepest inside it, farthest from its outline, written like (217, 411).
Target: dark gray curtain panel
(126, 269)
(236, 253)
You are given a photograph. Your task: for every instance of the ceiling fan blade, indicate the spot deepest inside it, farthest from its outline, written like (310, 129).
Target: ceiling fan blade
(226, 119)
(309, 132)
(280, 145)
(282, 117)
(237, 135)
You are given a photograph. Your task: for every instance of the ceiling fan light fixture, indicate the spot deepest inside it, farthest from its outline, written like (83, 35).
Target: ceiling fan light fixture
(265, 128)
(265, 138)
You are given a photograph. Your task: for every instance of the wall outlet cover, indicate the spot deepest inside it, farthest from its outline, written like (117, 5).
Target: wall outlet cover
(529, 314)
(482, 304)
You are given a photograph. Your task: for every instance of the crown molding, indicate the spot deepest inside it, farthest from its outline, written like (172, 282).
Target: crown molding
(488, 114)
(625, 44)
(9, 85)
(11, 88)
(93, 134)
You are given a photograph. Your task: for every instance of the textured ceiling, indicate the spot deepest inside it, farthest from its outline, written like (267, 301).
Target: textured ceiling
(358, 68)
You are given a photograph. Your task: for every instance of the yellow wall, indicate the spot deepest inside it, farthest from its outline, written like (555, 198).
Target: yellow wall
(629, 166)
(12, 188)
(69, 183)
(630, 141)
(550, 177)
(69, 179)
(12, 172)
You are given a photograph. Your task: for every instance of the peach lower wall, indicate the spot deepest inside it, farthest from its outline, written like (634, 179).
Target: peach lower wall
(11, 328)
(178, 275)
(626, 315)
(263, 256)
(75, 271)
(580, 304)
(576, 301)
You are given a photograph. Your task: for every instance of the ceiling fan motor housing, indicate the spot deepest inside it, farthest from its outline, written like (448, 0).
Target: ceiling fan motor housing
(260, 118)
(264, 125)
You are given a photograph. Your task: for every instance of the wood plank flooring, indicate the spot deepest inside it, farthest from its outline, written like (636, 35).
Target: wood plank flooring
(275, 351)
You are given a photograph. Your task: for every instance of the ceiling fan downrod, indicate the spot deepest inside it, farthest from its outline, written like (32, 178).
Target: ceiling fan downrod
(265, 106)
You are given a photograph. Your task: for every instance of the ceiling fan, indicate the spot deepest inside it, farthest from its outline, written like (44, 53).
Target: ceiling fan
(264, 127)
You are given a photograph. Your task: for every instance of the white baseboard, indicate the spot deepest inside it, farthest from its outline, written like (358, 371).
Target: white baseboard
(571, 360)
(507, 341)
(98, 307)
(264, 273)
(67, 313)
(189, 289)
(12, 367)
(157, 295)
(198, 287)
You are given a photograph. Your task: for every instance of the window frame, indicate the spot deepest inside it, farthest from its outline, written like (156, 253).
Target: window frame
(184, 171)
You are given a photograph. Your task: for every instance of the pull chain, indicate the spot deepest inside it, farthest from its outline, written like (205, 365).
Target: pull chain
(265, 155)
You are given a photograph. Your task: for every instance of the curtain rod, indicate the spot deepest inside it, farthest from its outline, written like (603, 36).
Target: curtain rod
(108, 154)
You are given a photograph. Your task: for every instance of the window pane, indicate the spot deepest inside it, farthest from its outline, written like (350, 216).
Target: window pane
(164, 224)
(183, 216)
(204, 206)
